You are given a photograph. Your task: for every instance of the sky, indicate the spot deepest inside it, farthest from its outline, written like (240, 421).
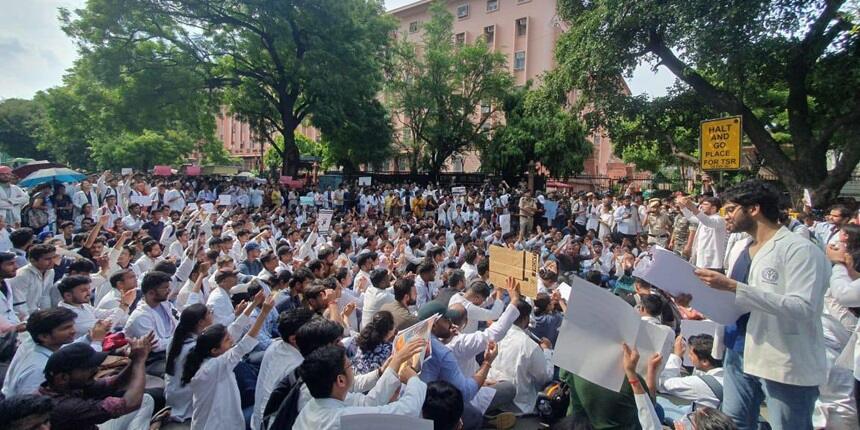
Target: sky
(35, 53)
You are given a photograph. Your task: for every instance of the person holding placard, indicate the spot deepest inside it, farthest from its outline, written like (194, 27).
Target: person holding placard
(783, 359)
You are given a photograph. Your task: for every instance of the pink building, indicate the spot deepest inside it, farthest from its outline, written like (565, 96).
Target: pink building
(525, 31)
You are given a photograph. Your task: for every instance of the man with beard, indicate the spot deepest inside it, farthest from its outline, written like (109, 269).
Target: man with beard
(154, 314)
(8, 269)
(404, 297)
(781, 278)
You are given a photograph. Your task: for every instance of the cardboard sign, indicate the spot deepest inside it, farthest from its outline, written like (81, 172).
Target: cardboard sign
(509, 263)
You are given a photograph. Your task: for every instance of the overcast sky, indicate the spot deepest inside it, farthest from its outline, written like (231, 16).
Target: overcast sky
(34, 51)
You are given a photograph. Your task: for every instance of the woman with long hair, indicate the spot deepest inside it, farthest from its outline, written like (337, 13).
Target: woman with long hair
(193, 320)
(208, 370)
(374, 343)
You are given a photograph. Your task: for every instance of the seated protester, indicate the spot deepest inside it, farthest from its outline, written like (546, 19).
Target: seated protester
(328, 375)
(443, 405)
(75, 291)
(404, 297)
(443, 365)
(49, 330)
(473, 299)
(704, 387)
(425, 281)
(270, 326)
(469, 269)
(83, 267)
(123, 291)
(548, 315)
(82, 402)
(374, 343)
(223, 311)
(252, 266)
(154, 314)
(301, 277)
(456, 284)
(651, 309)
(200, 270)
(548, 279)
(466, 346)
(194, 319)
(682, 301)
(316, 297)
(31, 287)
(376, 295)
(209, 371)
(524, 363)
(151, 255)
(26, 412)
(280, 359)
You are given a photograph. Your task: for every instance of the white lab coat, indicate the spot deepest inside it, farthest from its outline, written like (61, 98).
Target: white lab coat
(709, 245)
(145, 319)
(222, 307)
(466, 346)
(477, 314)
(692, 387)
(784, 340)
(280, 359)
(325, 414)
(87, 316)
(32, 290)
(522, 362)
(374, 298)
(216, 400)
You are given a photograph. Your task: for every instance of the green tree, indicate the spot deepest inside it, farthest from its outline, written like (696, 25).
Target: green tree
(439, 91)
(537, 128)
(98, 106)
(143, 151)
(789, 68)
(19, 122)
(275, 63)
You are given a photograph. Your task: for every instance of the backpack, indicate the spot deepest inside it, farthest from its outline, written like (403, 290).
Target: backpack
(32, 217)
(282, 409)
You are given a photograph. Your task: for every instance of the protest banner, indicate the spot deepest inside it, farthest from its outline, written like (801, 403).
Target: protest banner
(420, 330)
(324, 221)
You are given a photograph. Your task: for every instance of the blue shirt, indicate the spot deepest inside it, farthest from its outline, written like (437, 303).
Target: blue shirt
(442, 366)
(735, 334)
(268, 332)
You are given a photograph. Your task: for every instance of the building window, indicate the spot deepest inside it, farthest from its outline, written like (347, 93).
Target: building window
(522, 27)
(463, 11)
(492, 5)
(460, 39)
(490, 34)
(413, 27)
(520, 60)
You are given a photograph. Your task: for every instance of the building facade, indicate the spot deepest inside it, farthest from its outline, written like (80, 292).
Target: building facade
(525, 31)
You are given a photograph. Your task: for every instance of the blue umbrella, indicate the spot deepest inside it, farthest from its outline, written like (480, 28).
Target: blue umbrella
(54, 174)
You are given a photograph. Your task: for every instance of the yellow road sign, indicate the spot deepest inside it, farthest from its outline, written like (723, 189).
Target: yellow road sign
(720, 144)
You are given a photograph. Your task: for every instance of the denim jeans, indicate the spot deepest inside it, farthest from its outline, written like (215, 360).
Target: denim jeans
(789, 406)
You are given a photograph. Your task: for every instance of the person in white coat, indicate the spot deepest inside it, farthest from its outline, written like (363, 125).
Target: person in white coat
(31, 287)
(329, 377)
(709, 244)
(12, 197)
(154, 314)
(784, 356)
(209, 368)
(281, 358)
(523, 362)
(87, 194)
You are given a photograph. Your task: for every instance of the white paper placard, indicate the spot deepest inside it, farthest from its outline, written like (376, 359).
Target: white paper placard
(324, 220)
(670, 273)
(694, 328)
(208, 208)
(505, 223)
(596, 323)
(364, 181)
(145, 201)
(126, 171)
(191, 207)
(225, 200)
(458, 191)
(384, 422)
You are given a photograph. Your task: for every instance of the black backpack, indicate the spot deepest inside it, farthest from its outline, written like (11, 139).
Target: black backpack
(282, 409)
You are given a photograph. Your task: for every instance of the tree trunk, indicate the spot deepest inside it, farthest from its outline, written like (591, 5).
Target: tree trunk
(290, 158)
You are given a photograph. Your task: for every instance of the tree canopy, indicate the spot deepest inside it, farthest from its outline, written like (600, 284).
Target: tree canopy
(19, 122)
(536, 128)
(791, 69)
(437, 87)
(274, 64)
